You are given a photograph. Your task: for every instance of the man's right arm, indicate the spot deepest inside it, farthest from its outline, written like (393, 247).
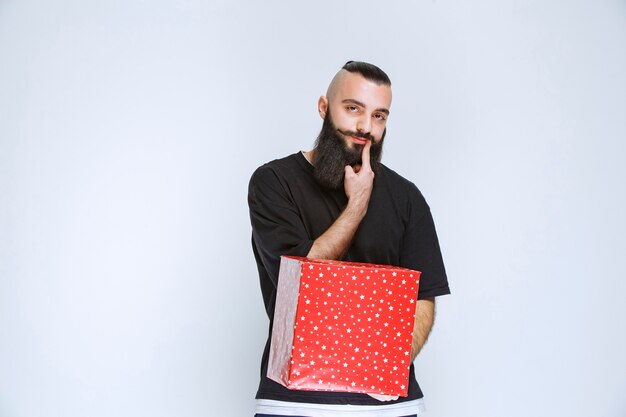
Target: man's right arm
(335, 241)
(358, 184)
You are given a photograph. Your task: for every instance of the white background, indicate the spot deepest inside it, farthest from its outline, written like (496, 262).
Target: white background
(129, 130)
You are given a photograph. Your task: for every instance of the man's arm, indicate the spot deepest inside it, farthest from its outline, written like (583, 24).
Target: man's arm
(335, 241)
(424, 318)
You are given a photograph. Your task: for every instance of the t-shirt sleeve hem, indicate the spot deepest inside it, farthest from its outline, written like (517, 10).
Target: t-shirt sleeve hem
(435, 292)
(302, 249)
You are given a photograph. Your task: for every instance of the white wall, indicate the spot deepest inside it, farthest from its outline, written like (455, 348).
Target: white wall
(128, 132)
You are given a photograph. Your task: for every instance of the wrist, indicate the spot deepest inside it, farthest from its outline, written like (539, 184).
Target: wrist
(356, 207)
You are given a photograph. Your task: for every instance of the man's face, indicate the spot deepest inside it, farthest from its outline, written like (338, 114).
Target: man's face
(354, 112)
(358, 108)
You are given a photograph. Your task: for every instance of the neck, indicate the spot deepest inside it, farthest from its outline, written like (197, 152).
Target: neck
(309, 156)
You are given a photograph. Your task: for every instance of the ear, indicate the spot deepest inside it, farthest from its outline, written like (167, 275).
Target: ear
(322, 106)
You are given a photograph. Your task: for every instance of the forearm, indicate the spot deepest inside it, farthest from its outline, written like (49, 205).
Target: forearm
(424, 319)
(335, 241)
(357, 183)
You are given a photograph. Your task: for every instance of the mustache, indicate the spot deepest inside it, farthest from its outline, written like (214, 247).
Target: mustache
(367, 136)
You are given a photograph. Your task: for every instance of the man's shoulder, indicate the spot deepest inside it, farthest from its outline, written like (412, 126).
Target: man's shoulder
(396, 180)
(287, 162)
(402, 190)
(282, 168)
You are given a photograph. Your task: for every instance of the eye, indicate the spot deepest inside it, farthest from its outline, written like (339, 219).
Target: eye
(380, 117)
(352, 109)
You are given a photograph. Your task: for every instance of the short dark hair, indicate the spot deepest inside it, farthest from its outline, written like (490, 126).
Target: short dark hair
(369, 71)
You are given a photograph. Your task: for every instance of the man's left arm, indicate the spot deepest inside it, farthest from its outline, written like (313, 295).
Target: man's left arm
(424, 319)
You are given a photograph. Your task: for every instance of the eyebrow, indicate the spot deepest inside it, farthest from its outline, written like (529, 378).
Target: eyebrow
(358, 103)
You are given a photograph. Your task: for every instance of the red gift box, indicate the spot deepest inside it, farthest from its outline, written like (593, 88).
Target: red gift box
(343, 326)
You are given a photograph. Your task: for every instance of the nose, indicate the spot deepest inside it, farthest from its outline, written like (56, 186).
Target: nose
(364, 124)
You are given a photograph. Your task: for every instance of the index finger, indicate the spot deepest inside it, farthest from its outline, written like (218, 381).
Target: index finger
(365, 155)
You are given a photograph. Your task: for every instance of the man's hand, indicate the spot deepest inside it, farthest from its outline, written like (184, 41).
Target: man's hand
(359, 181)
(381, 397)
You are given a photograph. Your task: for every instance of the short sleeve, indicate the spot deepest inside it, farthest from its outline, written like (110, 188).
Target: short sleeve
(420, 250)
(277, 228)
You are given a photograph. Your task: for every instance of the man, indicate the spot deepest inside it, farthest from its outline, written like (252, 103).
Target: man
(339, 202)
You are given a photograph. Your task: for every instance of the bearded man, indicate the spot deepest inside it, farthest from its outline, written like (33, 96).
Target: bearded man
(338, 201)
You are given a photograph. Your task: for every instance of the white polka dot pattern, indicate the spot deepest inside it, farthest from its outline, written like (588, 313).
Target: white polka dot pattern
(351, 330)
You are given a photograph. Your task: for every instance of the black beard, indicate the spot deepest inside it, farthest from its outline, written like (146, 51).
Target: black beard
(332, 154)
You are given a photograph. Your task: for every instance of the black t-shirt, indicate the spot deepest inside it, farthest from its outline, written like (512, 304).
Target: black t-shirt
(289, 210)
